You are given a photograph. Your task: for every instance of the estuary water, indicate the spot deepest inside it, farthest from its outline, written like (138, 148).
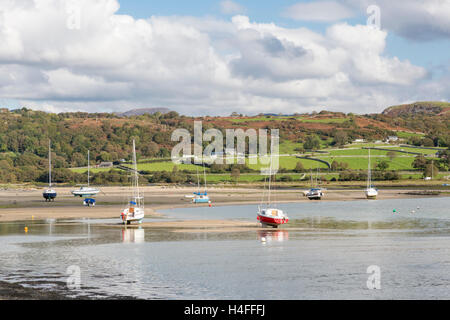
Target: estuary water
(323, 253)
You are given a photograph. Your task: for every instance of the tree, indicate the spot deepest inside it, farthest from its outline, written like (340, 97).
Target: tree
(235, 174)
(312, 143)
(392, 155)
(382, 165)
(299, 167)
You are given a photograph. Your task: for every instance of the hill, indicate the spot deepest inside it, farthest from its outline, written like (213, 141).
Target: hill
(418, 108)
(142, 111)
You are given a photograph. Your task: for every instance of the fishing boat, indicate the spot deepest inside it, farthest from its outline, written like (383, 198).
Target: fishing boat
(315, 193)
(49, 194)
(201, 197)
(371, 191)
(268, 214)
(86, 191)
(135, 207)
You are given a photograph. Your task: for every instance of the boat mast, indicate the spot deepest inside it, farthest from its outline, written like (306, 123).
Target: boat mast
(137, 197)
(49, 165)
(88, 168)
(204, 175)
(270, 179)
(369, 182)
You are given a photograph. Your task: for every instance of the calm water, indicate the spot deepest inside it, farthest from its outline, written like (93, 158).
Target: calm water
(324, 253)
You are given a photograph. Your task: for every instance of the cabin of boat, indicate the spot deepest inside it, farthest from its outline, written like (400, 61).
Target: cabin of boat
(200, 197)
(132, 213)
(371, 193)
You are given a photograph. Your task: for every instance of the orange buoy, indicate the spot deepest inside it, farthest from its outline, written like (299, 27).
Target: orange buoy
(26, 229)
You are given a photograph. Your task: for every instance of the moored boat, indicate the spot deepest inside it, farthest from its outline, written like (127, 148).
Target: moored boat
(371, 192)
(135, 210)
(86, 191)
(49, 194)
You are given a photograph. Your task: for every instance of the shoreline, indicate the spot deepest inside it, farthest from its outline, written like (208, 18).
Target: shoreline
(25, 205)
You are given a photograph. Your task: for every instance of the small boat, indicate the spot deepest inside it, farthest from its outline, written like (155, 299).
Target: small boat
(86, 191)
(371, 191)
(315, 193)
(135, 209)
(201, 197)
(89, 202)
(49, 194)
(269, 215)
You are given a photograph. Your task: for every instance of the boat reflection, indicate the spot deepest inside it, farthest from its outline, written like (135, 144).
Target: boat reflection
(273, 235)
(132, 235)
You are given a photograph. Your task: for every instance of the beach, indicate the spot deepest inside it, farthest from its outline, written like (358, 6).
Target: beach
(20, 204)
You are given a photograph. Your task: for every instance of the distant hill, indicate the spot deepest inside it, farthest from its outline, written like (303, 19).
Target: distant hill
(142, 111)
(425, 107)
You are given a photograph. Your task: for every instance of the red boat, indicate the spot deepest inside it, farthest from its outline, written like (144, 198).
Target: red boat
(272, 217)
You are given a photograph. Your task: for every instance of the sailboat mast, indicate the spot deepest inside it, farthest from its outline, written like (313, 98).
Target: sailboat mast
(369, 182)
(49, 165)
(270, 179)
(204, 175)
(136, 176)
(88, 168)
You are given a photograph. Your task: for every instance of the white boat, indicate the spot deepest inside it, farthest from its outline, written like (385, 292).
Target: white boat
(371, 191)
(135, 208)
(315, 193)
(86, 191)
(268, 214)
(49, 194)
(201, 197)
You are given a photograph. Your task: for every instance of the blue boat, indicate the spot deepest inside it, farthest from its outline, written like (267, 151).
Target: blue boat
(200, 197)
(89, 202)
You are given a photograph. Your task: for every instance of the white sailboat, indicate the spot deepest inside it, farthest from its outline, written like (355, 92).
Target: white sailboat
(49, 194)
(371, 191)
(201, 197)
(86, 191)
(315, 193)
(268, 215)
(135, 209)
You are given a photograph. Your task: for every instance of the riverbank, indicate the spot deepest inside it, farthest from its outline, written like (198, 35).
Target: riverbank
(28, 203)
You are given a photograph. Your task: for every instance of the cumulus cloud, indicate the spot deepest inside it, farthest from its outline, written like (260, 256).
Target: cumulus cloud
(413, 19)
(193, 65)
(231, 7)
(322, 11)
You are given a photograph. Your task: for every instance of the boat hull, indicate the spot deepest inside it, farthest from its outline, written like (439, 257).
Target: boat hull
(132, 214)
(274, 222)
(49, 196)
(272, 217)
(371, 194)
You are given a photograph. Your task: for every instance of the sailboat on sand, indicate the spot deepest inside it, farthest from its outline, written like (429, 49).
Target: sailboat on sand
(86, 191)
(135, 208)
(268, 214)
(371, 191)
(201, 197)
(49, 194)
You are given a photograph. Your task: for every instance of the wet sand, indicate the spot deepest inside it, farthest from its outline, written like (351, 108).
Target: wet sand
(28, 204)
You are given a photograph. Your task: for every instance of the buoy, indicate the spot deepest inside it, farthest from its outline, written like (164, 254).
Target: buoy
(32, 217)
(26, 229)
(263, 239)
(394, 211)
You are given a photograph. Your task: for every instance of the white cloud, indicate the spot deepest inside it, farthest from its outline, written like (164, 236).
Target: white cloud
(323, 11)
(231, 7)
(196, 65)
(413, 19)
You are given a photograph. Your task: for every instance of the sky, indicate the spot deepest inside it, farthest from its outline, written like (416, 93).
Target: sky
(215, 57)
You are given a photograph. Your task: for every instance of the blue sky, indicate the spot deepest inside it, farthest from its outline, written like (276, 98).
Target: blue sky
(215, 57)
(424, 53)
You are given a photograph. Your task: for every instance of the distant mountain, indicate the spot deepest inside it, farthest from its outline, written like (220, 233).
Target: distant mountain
(425, 107)
(142, 111)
